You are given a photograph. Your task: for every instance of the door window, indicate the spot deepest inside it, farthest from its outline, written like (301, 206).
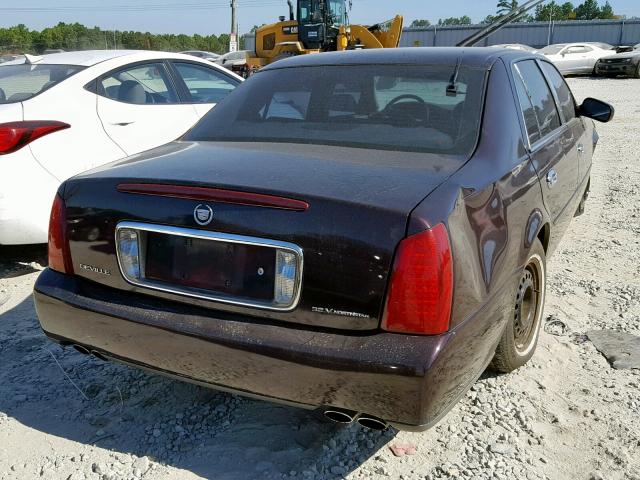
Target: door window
(565, 98)
(536, 101)
(205, 85)
(140, 85)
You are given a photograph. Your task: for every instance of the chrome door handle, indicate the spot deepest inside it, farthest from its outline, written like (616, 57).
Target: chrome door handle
(552, 178)
(580, 149)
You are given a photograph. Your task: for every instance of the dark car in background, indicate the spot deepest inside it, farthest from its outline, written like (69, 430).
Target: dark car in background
(359, 232)
(626, 63)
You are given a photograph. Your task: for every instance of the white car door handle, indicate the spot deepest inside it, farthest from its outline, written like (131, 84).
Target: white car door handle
(122, 124)
(580, 149)
(552, 178)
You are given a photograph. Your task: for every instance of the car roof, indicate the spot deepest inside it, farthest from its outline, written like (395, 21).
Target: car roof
(88, 58)
(479, 57)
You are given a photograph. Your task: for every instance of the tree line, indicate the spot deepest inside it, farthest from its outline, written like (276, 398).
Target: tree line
(587, 10)
(74, 36)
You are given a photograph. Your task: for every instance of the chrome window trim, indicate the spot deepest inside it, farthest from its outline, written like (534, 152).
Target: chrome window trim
(549, 138)
(212, 236)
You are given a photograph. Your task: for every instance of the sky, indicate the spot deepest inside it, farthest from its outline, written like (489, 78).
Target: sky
(213, 16)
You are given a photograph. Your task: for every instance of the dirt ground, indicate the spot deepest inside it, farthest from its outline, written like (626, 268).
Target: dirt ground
(566, 415)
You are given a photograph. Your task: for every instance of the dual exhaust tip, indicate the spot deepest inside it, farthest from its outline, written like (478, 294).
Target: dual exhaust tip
(85, 351)
(346, 417)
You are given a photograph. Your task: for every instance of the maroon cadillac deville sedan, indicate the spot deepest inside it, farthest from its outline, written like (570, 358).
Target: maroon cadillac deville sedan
(359, 232)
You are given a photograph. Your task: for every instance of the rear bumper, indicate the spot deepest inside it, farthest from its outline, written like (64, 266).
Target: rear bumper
(409, 381)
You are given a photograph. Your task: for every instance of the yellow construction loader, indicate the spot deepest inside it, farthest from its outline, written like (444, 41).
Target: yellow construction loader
(321, 26)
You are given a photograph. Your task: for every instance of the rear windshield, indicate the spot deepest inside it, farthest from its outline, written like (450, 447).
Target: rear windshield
(391, 107)
(21, 82)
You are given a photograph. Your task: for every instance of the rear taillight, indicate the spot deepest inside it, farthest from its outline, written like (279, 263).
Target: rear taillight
(421, 290)
(15, 135)
(59, 255)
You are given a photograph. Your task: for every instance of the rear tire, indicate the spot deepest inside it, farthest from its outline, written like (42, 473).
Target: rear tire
(520, 336)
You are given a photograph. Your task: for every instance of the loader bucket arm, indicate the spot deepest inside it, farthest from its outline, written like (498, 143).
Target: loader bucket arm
(390, 37)
(382, 35)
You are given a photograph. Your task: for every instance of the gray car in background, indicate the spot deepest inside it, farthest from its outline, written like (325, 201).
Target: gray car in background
(212, 57)
(233, 60)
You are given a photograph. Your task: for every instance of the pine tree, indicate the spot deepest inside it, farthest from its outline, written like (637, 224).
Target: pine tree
(588, 10)
(506, 6)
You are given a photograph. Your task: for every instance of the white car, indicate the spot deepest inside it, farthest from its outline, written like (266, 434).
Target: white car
(65, 113)
(576, 58)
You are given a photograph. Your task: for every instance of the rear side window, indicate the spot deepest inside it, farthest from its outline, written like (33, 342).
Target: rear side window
(565, 98)
(139, 84)
(536, 101)
(22, 82)
(205, 85)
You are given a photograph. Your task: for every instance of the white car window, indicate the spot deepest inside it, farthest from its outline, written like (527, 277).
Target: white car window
(205, 85)
(578, 49)
(140, 84)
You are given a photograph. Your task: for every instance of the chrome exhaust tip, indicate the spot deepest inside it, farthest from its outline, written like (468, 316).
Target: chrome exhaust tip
(372, 423)
(81, 349)
(99, 356)
(340, 416)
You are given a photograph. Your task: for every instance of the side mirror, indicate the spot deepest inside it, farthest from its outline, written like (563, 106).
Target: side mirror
(596, 109)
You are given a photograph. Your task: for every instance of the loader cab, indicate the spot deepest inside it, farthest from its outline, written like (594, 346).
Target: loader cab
(318, 22)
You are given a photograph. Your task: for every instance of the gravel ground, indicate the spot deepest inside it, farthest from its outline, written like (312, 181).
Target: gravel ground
(566, 415)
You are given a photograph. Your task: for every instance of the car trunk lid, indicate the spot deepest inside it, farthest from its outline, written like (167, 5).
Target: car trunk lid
(358, 201)
(11, 112)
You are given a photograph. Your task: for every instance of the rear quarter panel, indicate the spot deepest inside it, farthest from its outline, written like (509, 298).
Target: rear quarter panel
(493, 210)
